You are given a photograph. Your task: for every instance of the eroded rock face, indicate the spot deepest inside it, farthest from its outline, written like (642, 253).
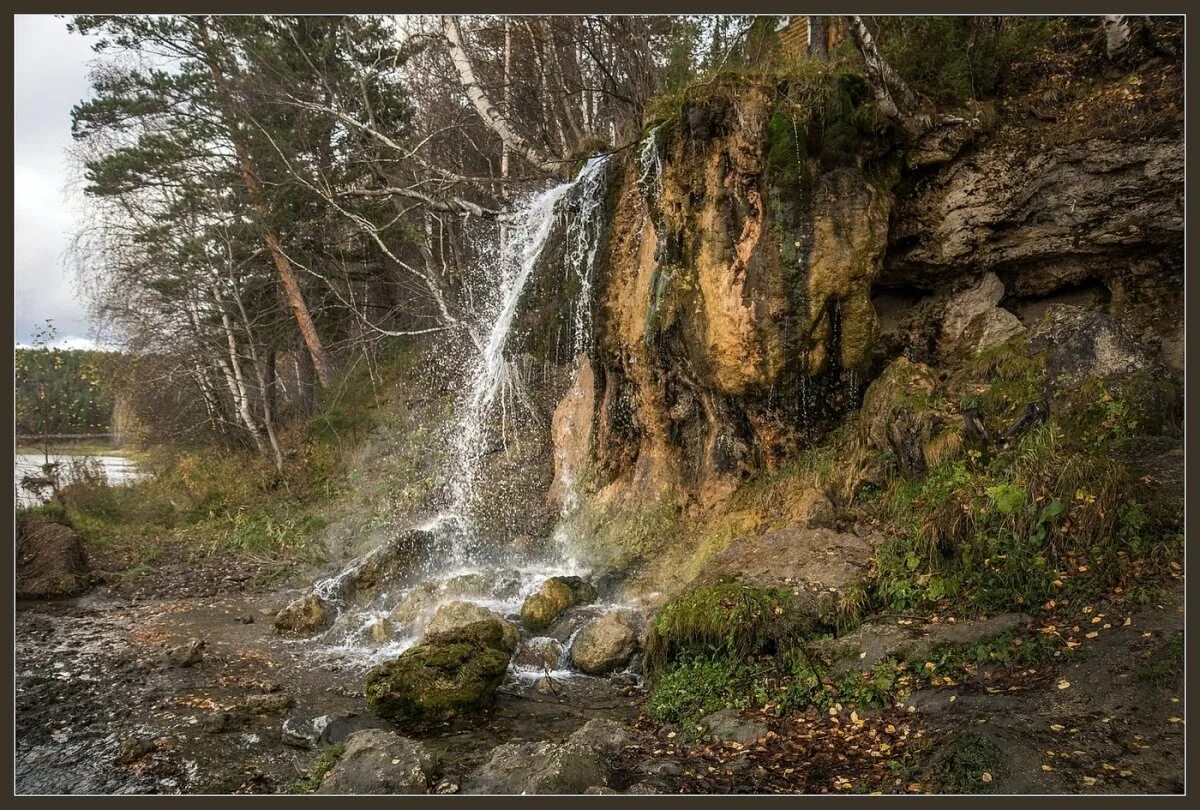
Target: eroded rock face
(741, 274)
(380, 762)
(572, 432)
(606, 643)
(1051, 218)
(446, 675)
(50, 560)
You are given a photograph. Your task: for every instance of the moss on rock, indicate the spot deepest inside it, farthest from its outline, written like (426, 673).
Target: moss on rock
(447, 675)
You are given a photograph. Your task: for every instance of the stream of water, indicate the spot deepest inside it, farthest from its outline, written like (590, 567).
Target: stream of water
(469, 568)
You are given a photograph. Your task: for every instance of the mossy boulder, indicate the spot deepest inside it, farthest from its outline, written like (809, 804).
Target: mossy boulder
(446, 675)
(455, 615)
(902, 414)
(552, 599)
(305, 616)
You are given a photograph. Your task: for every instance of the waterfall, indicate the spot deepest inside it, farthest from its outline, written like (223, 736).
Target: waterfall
(493, 383)
(573, 210)
(650, 162)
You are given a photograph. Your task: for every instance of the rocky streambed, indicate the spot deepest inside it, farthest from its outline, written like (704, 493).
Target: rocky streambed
(201, 694)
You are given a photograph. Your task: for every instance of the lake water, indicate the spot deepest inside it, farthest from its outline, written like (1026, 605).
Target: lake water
(118, 470)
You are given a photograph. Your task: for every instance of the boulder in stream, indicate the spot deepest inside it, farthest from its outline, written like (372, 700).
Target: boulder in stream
(446, 675)
(453, 615)
(304, 616)
(606, 643)
(541, 653)
(552, 599)
(377, 761)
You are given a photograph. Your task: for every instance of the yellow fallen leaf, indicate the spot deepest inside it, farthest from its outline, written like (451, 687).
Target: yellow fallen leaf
(986, 778)
(1055, 727)
(1064, 684)
(1093, 634)
(1047, 767)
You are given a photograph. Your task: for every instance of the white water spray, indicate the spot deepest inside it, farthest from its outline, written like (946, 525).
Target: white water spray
(493, 383)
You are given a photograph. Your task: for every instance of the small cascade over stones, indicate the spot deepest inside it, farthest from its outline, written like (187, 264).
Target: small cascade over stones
(450, 559)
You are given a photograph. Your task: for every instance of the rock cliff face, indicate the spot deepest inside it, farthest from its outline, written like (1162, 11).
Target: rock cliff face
(743, 277)
(733, 300)
(1098, 214)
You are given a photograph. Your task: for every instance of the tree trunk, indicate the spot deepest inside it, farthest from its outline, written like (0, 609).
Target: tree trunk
(817, 46)
(1117, 35)
(891, 93)
(483, 105)
(283, 266)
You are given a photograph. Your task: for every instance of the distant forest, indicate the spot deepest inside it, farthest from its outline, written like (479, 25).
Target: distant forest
(61, 391)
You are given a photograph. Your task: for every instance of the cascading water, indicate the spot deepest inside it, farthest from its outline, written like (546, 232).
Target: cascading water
(466, 560)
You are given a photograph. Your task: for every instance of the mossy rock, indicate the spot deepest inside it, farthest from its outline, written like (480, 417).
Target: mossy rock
(552, 599)
(455, 615)
(728, 618)
(447, 675)
(902, 413)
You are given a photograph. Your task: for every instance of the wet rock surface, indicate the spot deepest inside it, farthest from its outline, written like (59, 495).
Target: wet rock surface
(304, 616)
(90, 681)
(454, 616)
(552, 599)
(606, 643)
(446, 675)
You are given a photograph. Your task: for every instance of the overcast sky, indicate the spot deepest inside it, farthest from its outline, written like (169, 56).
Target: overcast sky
(50, 75)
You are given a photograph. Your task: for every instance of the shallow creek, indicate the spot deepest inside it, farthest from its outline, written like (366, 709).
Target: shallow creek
(91, 683)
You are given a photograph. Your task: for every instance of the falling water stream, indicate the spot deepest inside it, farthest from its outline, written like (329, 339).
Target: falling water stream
(467, 566)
